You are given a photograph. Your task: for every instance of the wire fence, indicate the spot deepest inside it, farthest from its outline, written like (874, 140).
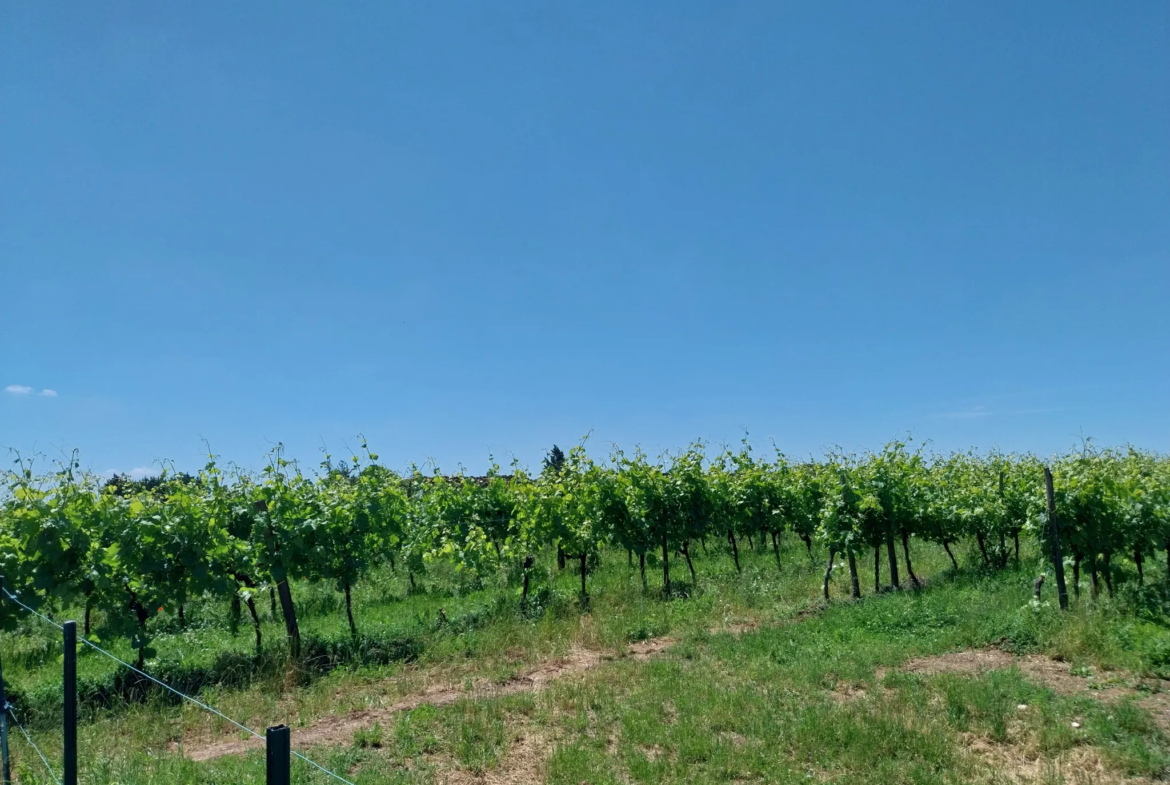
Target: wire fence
(31, 743)
(10, 596)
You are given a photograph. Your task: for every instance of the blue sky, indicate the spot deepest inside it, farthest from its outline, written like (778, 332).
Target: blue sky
(473, 228)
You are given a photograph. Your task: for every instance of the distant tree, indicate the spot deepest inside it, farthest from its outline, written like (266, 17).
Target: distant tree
(121, 485)
(555, 460)
(126, 486)
(554, 464)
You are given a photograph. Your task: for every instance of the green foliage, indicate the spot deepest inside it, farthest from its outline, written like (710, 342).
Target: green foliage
(131, 552)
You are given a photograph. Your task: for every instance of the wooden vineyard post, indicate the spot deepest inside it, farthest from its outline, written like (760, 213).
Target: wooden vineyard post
(1002, 558)
(853, 581)
(279, 755)
(1057, 557)
(70, 729)
(529, 560)
(829, 571)
(584, 565)
(665, 566)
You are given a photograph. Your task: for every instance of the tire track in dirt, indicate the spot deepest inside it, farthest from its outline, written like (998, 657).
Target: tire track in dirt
(339, 729)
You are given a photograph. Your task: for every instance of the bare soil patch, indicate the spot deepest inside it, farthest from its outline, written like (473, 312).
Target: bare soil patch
(1151, 694)
(1019, 761)
(339, 729)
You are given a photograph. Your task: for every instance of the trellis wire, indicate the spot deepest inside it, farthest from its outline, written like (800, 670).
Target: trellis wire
(32, 744)
(164, 685)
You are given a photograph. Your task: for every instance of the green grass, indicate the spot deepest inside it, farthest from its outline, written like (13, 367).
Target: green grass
(813, 695)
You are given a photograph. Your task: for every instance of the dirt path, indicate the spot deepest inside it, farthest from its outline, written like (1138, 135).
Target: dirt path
(339, 729)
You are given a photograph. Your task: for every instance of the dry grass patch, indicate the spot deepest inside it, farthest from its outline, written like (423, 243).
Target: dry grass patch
(1022, 764)
(339, 729)
(1153, 695)
(525, 763)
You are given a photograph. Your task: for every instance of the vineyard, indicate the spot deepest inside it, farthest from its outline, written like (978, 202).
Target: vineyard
(127, 553)
(322, 586)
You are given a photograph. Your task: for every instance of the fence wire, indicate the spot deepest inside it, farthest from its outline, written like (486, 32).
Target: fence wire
(160, 683)
(32, 744)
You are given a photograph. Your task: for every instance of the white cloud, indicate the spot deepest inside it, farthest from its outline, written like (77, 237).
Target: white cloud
(24, 389)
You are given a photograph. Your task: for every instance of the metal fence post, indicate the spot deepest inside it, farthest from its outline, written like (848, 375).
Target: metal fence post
(70, 729)
(7, 770)
(279, 755)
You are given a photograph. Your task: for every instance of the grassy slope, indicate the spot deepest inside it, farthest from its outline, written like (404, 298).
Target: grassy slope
(798, 700)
